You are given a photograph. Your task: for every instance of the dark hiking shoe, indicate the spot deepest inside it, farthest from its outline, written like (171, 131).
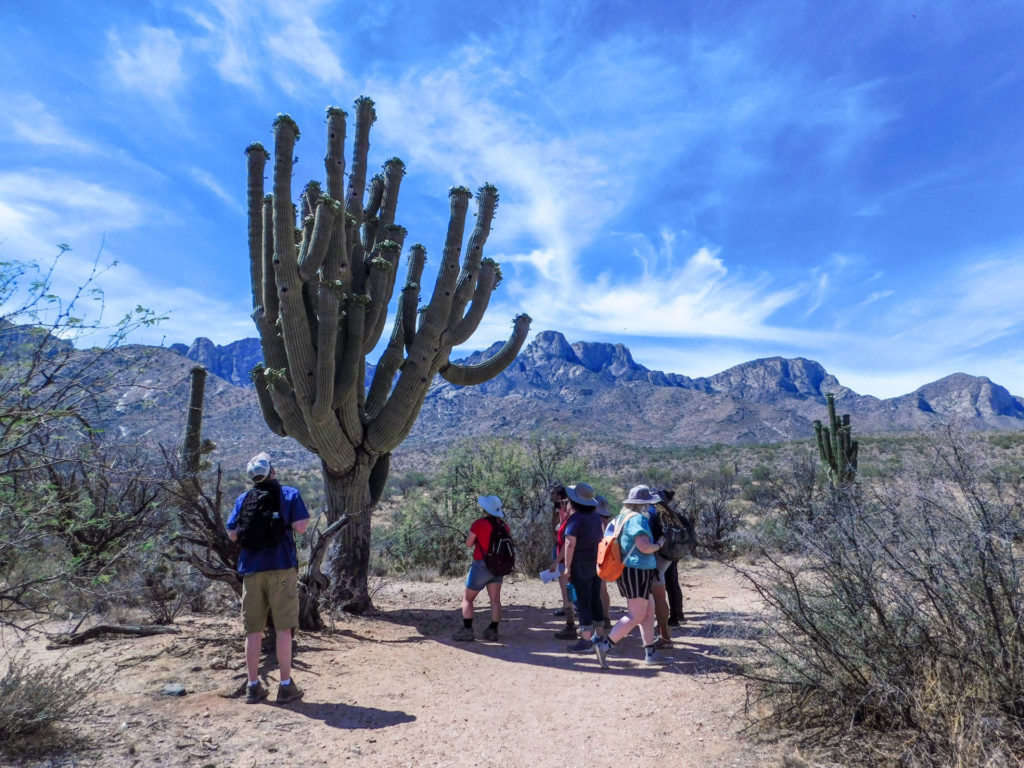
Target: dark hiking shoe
(601, 648)
(464, 634)
(581, 646)
(490, 633)
(568, 633)
(255, 693)
(287, 693)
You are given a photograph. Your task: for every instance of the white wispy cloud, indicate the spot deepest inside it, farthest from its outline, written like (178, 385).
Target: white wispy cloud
(208, 180)
(150, 63)
(30, 121)
(251, 43)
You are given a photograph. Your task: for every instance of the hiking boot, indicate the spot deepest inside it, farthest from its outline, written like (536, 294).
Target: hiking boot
(490, 633)
(464, 634)
(559, 612)
(568, 633)
(287, 693)
(255, 693)
(673, 621)
(652, 659)
(581, 646)
(601, 648)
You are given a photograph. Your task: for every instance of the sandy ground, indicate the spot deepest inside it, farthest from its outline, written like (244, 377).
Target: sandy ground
(392, 689)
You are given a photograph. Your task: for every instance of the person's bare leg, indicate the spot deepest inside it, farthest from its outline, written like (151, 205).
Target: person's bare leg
(494, 593)
(252, 654)
(661, 610)
(647, 621)
(284, 652)
(467, 602)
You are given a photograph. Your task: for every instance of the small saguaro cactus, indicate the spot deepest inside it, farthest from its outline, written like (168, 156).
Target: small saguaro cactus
(320, 302)
(837, 449)
(193, 446)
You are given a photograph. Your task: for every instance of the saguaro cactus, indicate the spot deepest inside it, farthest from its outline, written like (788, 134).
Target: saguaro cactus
(320, 302)
(837, 449)
(193, 446)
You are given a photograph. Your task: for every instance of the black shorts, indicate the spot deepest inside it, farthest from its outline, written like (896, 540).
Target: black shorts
(636, 582)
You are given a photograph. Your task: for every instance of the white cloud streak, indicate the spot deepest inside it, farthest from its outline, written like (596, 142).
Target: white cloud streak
(151, 63)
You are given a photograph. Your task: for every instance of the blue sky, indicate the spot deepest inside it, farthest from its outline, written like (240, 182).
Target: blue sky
(706, 182)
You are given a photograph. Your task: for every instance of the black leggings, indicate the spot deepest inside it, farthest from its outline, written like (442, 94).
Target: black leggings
(589, 607)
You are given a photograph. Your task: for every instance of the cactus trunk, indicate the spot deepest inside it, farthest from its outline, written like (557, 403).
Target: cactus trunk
(191, 451)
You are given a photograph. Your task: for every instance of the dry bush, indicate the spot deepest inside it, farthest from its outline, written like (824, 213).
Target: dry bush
(35, 698)
(894, 631)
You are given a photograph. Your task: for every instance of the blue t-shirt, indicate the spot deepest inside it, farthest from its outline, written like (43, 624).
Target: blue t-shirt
(278, 557)
(635, 526)
(587, 528)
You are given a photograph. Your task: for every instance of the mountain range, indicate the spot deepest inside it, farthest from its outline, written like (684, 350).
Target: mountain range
(598, 391)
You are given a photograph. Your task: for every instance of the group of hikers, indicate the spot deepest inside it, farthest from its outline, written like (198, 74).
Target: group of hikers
(266, 517)
(584, 532)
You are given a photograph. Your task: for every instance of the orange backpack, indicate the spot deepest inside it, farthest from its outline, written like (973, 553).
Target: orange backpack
(609, 555)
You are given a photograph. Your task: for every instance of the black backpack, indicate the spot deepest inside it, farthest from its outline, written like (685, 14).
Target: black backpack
(680, 538)
(259, 520)
(500, 557)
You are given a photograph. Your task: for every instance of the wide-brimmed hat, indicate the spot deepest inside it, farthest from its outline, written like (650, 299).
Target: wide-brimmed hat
(641, 494)
(582, 494)
(491, 505)
(258, 467)
(603, 508)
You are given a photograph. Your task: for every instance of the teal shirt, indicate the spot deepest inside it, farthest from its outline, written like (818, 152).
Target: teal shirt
(636, 526)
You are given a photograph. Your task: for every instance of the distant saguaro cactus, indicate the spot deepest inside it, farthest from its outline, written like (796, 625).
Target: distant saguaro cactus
(193, 446)
(837, 449)
(320, 303)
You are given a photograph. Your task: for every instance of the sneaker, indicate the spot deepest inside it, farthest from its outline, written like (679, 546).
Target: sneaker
(581, 646)
(255, 693)
(568, 633)
(490, 633)
(464, 634)
(287, 693)
(673, 621)
(559, 612)
(656, 658)
(601, 648)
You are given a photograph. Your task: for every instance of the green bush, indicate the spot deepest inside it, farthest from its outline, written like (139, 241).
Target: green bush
(429, 527)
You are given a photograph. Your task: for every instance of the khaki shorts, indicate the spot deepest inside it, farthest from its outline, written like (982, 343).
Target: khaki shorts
(273, 591)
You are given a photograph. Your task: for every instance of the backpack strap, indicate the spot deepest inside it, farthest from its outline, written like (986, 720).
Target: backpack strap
(620, 523)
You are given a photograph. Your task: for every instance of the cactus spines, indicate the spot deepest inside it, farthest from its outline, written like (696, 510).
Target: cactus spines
(836, 446)
(320, 299)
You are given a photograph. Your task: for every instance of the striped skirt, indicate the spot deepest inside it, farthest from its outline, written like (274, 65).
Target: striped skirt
(636, 582)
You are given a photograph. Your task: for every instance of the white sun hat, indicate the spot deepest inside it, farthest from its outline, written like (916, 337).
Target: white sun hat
(491, 505)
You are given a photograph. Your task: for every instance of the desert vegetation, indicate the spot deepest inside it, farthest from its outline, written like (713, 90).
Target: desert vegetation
(891, 592)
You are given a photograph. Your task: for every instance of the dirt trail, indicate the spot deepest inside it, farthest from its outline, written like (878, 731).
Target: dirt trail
(392, 689)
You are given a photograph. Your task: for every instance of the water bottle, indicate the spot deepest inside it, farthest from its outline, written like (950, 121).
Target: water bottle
(571, 591)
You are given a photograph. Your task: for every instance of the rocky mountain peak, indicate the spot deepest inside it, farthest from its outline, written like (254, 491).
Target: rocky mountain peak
(768, 378)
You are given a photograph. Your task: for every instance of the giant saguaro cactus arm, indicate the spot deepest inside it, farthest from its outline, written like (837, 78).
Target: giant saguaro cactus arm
(836, 446)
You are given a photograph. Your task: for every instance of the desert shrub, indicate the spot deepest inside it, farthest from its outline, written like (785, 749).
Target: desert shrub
(34, 698)
(894, 627)
(709, 503)
(429, 528)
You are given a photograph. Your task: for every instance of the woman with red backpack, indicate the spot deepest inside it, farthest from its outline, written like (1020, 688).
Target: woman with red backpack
(482, 531)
